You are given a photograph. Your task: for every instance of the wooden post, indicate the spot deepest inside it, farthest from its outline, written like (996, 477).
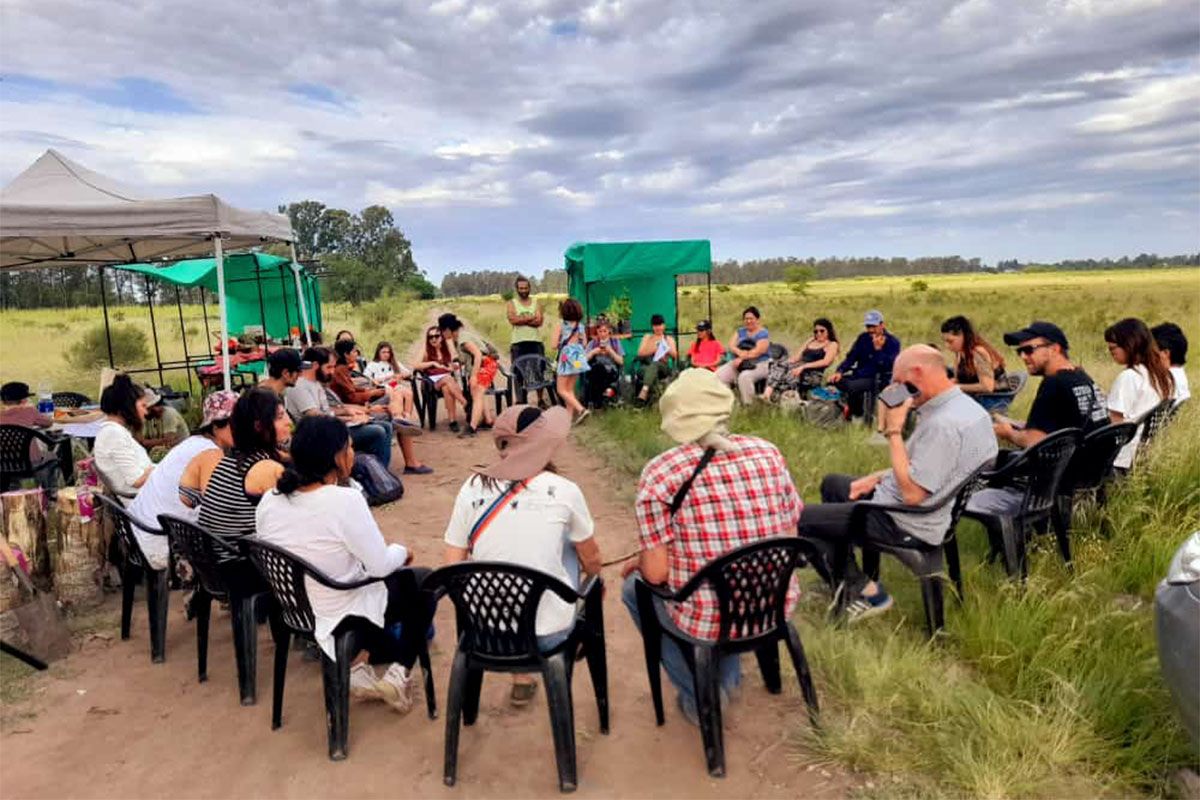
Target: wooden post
(24, 514)
(77, 554)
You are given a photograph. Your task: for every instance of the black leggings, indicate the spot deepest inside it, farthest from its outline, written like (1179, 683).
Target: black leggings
(409, 607)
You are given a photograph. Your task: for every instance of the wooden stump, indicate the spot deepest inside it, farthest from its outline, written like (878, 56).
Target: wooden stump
(77, 554)
(11, 595)
(24, 514)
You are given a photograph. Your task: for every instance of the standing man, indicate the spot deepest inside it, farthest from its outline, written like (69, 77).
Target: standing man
(868, 364)
(525, 315)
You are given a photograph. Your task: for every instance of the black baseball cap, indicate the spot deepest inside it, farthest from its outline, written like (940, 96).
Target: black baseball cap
(289, 359)
(1046, 330)
(14, 391)
(704, 325)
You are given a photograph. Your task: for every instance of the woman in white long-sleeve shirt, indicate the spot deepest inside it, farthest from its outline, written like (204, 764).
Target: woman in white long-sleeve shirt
(330, 526)
(122, 461)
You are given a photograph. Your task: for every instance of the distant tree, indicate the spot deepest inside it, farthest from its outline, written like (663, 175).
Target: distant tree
(798, 277)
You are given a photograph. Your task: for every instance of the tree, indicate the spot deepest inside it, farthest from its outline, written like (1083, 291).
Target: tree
(799, 276)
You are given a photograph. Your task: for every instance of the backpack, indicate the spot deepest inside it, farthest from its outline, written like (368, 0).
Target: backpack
(825, 413)
(378, 483)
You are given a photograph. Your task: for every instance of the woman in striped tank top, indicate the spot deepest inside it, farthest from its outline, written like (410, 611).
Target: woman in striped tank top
(227, 487)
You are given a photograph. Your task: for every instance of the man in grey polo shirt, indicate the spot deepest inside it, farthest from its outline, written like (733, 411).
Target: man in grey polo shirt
(953, 437)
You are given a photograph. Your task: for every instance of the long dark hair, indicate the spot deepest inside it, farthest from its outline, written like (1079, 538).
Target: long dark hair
(971, 342)
(315, 445)
(828, 326)
(343, 348)
(395, 365)
(120, 399)
(432, 352)
(1132, 336)
(253, 424)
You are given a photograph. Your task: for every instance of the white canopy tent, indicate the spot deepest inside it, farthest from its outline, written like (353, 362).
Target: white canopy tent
(59, 213)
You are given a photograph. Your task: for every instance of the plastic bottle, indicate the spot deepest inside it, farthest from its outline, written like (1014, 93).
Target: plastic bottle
(45, 403)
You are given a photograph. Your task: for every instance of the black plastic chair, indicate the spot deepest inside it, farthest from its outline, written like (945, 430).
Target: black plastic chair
(1015, 382)
(496, 609)
(1175, 409)
(501, 395)
(428, 393)
(1037, 473)
(1154, 421)
(533, 373)
(926, 561)
(15, 462)
(70, 400)
(285, 574)
(1090, 470)
(134, 565)
(751, 584)
(222, 573)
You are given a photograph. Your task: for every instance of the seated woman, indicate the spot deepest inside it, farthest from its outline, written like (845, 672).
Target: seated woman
(606, 358)
(706, 352)
(978, 367)
(806, 369)
(657, 350)
(123, 464)
(312, 516)
(540, 519)
(1143, 382)
(381, 398)
(386, 371)
(227, 487)
(439, 367)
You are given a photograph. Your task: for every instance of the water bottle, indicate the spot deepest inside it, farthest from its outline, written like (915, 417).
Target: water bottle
(45, 403)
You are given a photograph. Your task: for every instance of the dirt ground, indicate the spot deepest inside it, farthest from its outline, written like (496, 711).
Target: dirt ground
(107, 723)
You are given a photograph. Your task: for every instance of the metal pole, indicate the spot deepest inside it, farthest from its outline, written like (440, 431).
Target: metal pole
(154, 331)
(207, 332)
(710, 298)
(107, 332)
(676, 309)
(219, 254)
(262, 308)
(300, 295)
(287, 317)
(187, 362)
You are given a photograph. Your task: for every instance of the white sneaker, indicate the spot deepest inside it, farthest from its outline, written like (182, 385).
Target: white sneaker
(396, 688)
(364, 683)
(877, 439)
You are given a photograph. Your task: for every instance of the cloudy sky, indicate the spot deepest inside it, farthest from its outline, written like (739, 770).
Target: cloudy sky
(500, 132)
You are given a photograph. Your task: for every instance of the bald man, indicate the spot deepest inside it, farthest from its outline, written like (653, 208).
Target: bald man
(953, 437)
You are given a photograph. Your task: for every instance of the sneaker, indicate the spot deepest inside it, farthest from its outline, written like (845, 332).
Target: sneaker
(424, 469)
(453, 427)
(862, 606)
(364, 683)
(877, 439)
(406, 428)
(583, 415)
(396, 688)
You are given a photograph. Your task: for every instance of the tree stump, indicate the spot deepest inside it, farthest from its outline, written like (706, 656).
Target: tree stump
(78, 551)
(24, 512)
(11, 595)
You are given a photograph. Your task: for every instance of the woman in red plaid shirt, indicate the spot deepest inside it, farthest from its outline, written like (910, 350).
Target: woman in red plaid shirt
(742, 495)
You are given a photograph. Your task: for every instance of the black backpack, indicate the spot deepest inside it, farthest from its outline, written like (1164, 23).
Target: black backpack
(378, 483)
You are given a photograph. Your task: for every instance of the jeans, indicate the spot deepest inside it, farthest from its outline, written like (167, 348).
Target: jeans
(744, 379)
(374, 438)
(673, 660)
(857, 390)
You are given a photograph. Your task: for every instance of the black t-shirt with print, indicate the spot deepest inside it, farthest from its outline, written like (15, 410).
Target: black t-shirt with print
(1068, 399)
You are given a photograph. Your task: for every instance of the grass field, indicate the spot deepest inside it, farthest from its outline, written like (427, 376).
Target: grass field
(1048, 691)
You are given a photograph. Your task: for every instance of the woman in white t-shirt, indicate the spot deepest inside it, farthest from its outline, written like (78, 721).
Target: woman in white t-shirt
(520, 511)
(386, 371)
(312, 516)
(1143, 384)
(122, 462)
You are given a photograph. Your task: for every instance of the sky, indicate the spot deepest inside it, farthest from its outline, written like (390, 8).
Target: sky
(498, 133)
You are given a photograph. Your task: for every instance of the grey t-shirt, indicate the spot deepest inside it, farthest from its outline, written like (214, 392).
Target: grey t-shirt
(953, 438)
(305, 396)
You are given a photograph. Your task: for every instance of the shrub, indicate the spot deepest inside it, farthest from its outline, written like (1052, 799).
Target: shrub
(377, 313)
(722, 287)
(507, 295)
(128, 348)
(918, 285)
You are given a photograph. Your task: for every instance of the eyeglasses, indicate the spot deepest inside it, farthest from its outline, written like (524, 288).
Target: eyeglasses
(1027, 349)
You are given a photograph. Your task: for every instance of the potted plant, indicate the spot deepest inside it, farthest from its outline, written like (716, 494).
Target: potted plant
(620, 312)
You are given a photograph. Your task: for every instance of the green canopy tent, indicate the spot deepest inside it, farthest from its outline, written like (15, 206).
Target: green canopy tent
(264, 294)
(645, 272)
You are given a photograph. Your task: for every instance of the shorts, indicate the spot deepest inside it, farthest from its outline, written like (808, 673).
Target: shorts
(487, 372)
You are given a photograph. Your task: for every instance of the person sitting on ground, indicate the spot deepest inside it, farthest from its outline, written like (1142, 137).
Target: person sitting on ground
(656, 351)
(313, 517)
(1066, 398)
(1144, 383)
(1172, 349)
(748, 346)
(741, 492)
(439, 368)
(226, 486)
(805, 369)
(707, 351)
(952, 439)
(541, 519)
(978, 367)
(160, 494)
(122, 462)
(524, 314)
(479, 362)
(605, 359)
(283, 370)
(387, 371)
(571, 361)
(868, 365)
(164, 426)
(15, 410)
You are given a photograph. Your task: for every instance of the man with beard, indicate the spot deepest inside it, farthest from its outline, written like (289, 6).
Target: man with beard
(525, 315)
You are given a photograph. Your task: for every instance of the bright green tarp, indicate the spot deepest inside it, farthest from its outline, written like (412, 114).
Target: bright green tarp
(646, 271)
(244, 273)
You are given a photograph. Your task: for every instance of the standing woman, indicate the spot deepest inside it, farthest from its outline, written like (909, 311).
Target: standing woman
(806, 369)
(978, 367)
(121, 460)
(1144, 383)
(479, 360)
(571, 361)
(227, 487)
(439, 368)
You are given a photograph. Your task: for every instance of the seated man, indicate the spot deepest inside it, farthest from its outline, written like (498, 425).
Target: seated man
(657, 351)
(742, 495)
(952, 439)
(164, 426)
(15, 410)
(605, 357)
(868, 364)
(283, 370)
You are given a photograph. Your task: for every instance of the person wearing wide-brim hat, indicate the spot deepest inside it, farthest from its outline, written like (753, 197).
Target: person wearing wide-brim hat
(519, 510)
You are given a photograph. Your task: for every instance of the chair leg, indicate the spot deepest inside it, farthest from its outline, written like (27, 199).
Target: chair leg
(430, 692)
(706, 677)
(870, 559)
(953, 565)
(474, 687)
(597, 662)
(932, 595)
(454, 708)
(282, 638)
(841, 557)
(245, 647)
(336, 676)
(1013, 562)
(768, 664)
(157, 601)
(803, 675)
(1064, 505)
(652, 648)
(129, 580)
(556, 676)
(202, 606)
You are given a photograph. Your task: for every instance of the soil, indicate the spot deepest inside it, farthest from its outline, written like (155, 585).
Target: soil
(107, 723)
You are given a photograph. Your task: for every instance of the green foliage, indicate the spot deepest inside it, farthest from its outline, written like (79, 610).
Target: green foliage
(799, 276)
(722, 287)
(507, 294)
(620, 308)
(918, 286)
(420, 286)
(129, 348)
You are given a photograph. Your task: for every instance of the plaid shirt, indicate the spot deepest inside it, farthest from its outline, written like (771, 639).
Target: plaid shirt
(742, 496)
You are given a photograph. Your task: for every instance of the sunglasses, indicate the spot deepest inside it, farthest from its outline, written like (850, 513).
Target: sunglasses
(1027, 349)
(435, 337)
(819, 330)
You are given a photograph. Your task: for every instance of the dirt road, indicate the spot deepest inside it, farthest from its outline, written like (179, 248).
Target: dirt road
(107, 723)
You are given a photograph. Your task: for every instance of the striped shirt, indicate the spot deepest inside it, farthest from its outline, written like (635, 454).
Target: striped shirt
(225, 508)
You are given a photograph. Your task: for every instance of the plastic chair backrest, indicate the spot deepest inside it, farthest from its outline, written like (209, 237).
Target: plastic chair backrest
(284, 573)
(1154, 420)
(14, 449)
(1047, 462)
(1093, 460)
(70, 400)
(202, 550)
(777, 352)
(123, 526)
(535, 371)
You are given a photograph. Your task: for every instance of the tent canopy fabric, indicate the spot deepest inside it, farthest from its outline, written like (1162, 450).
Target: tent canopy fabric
(59, 213)
(246, 274)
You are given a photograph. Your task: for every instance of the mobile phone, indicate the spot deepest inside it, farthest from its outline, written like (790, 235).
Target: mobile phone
(895, 394)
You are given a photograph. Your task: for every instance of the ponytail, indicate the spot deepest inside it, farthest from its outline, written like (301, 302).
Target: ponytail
(315, 447)
(289, 481)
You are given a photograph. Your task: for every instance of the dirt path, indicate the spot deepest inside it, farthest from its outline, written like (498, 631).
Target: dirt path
(108, 723)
